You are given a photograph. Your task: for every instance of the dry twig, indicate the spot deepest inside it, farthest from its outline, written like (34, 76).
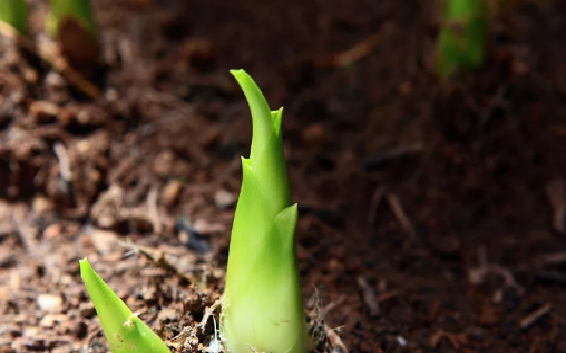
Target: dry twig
(455, 339)
(477, 274)
(159, 257)
(368, 296)
(359, 50)
(401, 216)
(375, 201)
(153, 212)
(531, 318)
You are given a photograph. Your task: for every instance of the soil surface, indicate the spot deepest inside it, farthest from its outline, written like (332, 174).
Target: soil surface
(432, 214)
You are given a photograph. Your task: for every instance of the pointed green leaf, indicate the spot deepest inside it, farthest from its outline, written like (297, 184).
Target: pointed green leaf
(267, 155)
(125, 332)
(252, 221)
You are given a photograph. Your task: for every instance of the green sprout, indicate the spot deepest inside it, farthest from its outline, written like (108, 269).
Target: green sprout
(125, 332)
(76, 11)
(462, 39)
(15, 14)
(263, 308)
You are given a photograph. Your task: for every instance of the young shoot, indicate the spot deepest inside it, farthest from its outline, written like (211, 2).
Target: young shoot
(263, 307)
(14, 13)
(78, 12)
(125, 332)
(462, 38)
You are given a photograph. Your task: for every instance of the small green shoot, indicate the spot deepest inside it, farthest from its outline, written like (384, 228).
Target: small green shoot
(263, 308)
(462, 38)
(125, 332)
(15, 14)
(78, 12)
(463, 33)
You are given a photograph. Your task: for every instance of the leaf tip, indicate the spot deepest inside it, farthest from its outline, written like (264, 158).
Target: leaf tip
(277, 117)
(238, 73)
(84, 266)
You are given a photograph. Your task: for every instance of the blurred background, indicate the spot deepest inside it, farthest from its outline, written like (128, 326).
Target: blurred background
(431, 203)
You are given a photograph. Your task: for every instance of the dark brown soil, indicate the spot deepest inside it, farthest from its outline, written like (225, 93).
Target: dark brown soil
(431, 214)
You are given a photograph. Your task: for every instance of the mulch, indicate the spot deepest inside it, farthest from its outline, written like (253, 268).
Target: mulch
(431, 213)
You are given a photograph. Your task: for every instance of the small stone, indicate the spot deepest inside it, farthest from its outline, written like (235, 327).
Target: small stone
(43, 111)
(83, 146)
(218, 273)
(201, 226)
(56, 88)
(112, 95)
(104, 241)
(17, 97)
(224, 199)
(168, 314)
(48, 321)
(31, 75)
(49, 302)
(41, 205)
(83, 117)
(15, 281)
(52, 232)
(54, 80)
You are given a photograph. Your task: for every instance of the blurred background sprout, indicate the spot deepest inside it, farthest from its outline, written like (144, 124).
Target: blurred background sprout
(14, 13)
(462, 38)
(77, 11)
